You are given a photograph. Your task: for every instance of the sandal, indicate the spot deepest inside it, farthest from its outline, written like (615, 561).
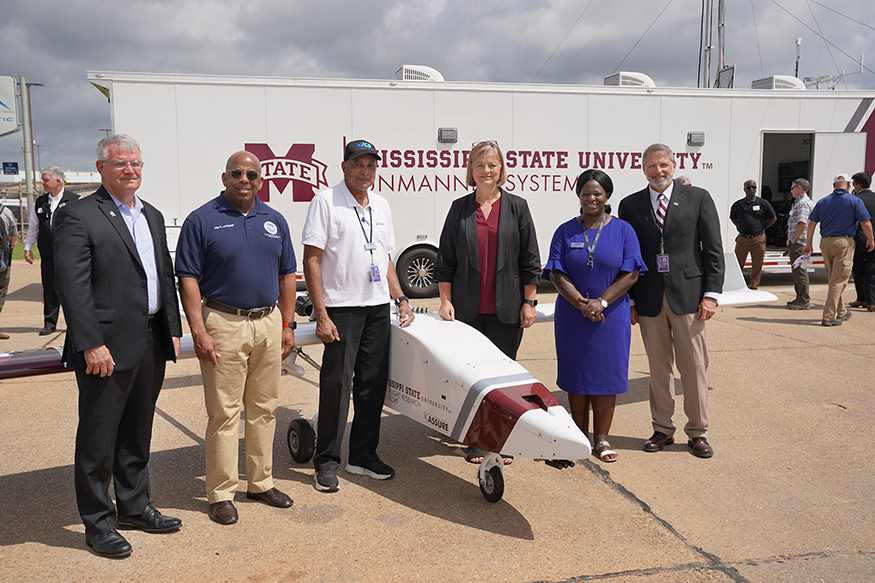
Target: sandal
(474, 455)
(604, 452)
(507, 459)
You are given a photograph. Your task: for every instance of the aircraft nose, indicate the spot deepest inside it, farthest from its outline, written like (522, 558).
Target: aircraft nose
(569, 443)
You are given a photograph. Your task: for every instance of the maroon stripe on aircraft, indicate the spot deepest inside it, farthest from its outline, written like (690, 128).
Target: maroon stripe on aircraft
(500, 410)
(27, 363)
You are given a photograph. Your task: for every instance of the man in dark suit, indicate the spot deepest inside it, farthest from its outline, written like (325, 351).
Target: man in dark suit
(679, 232)
(864, 260)
(39, 232)
(115, 280)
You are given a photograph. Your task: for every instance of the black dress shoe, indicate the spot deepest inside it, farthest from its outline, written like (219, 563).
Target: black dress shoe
(149, 521)
(272, 497)
(657, 442)
(223, 512)
(47, 329)
(109, 544)
(701, 447)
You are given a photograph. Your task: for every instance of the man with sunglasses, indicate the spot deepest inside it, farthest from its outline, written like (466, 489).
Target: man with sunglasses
(236, 269)
(115, 281)
(752, 215)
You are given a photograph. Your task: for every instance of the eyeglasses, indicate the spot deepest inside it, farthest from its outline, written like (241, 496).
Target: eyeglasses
(750, 187)
(251, 175)
(119, 165)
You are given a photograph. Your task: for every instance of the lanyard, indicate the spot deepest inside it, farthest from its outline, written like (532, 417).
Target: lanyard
(591, 248)
(368, 240)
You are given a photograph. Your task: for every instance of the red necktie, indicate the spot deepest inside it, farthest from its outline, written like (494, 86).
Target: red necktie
(660, 213)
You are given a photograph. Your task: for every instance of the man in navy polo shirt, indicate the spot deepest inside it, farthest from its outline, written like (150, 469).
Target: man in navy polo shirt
(838, 214)
(236, 265)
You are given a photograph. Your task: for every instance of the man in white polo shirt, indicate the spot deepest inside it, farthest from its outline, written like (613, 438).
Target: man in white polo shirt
(347, 239)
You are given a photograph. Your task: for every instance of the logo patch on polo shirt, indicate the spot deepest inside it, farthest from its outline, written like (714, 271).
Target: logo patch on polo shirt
(270, 227)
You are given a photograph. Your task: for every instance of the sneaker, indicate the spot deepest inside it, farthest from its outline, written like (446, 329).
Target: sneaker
(375, 469)
(846, 317)
(794, 305)
(326, 481)
(836, 322)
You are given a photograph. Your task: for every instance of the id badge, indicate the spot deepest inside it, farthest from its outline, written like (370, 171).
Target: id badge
(370, 246)
(662, 263)
(374, 273)
(577, 245)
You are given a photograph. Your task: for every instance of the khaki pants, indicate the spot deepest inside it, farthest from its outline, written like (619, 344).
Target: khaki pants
(757, 249)
(681, 338)
(246, 378)
(838, 258)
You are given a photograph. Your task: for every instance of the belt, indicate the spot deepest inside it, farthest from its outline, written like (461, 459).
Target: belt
(750, 236)
(254, 313)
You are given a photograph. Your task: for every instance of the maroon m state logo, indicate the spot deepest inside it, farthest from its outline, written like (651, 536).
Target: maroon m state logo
(297, 166)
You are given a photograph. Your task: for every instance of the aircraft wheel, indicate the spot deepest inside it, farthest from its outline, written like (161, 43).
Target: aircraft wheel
(302, 440)
(492, 485)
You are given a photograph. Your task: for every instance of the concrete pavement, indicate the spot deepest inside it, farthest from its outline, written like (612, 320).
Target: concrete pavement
(786, 497)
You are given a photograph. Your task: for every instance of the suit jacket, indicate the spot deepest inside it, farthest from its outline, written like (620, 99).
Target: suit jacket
(44, 238)
(518, 263)
(102, 284)
(692, 242)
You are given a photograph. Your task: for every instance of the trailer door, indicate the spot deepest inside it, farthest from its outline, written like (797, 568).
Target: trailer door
(835, 153)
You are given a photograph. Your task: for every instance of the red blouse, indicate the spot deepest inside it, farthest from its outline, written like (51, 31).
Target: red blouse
(487, 255)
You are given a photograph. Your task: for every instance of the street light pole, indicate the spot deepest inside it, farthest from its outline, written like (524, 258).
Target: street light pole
(28, 142)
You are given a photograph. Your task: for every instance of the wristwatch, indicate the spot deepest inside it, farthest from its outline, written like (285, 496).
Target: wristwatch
(400, 299)
(532, 303)
(603, 302)
(292, 325)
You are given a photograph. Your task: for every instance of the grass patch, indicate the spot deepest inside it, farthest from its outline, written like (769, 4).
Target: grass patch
(18, 251)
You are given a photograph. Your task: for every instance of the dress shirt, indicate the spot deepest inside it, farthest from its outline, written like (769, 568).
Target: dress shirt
(138, 226)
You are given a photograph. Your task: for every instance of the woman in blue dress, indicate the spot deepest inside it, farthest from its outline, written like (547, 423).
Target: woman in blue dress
(594, 260)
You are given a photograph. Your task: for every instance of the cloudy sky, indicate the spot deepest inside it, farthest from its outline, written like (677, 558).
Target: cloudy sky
(520, 41)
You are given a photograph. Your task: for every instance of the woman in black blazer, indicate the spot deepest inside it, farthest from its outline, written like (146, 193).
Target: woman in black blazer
(488, 265)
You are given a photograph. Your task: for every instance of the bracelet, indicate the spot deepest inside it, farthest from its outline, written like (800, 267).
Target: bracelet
(291, 325)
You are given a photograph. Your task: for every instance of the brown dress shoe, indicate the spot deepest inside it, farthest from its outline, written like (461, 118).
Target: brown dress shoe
(856, 304)
(4, 336)
(223, 512)
(700, 447)
(657, 442)
(272, 497)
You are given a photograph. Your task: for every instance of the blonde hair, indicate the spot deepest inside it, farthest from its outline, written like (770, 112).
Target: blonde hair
(477, 151)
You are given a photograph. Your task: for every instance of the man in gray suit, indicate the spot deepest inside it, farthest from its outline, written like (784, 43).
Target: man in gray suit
(679, 233)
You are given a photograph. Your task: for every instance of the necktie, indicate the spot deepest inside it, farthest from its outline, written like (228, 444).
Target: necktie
(660, 212)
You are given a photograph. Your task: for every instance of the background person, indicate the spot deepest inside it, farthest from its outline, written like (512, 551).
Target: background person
(678, 230)
(39, 232)
(10, 230)
(115, 281)
(838, 213)
(864, 260)
(487, 265)
(594, 260)
(752, 216)
(797, 222)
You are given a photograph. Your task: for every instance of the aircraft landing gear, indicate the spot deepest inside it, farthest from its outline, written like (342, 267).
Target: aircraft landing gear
(301, 440)
(491, 477)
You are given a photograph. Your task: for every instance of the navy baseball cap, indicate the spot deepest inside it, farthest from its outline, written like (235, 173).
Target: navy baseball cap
(357, 148)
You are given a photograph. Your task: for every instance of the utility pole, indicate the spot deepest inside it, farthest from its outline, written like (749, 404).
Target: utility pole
(798, 46)
(28, 142)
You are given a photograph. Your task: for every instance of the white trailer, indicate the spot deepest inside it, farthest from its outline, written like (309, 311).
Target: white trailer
(188, 125)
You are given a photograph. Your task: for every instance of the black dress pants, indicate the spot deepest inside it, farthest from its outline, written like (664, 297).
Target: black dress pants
(358, 363)
(51, 302)
(115, 434)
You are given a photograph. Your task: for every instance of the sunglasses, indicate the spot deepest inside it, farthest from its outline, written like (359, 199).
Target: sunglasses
(750, 187)
(237, 174)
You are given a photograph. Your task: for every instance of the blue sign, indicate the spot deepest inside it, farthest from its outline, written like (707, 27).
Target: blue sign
(10, 167)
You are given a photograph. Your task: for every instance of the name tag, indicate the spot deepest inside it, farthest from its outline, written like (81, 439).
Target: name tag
(756, 207)
(662, 263)
(578, 245)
